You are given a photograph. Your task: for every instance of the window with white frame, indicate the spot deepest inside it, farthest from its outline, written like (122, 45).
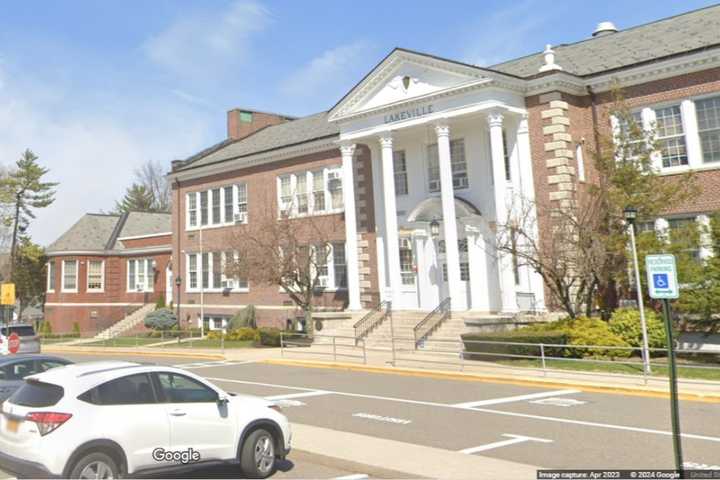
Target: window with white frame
(457, 162)
(51, 276)
(95, 276)
(69, 276)
(708, 118)
(140, 275)
(506, 157)
(671, 136)
(310, 192)
(213, 267)
(580, 159)
(339, 265)
(400, 169)
(630, 134)
(225, 205)
(407, 264)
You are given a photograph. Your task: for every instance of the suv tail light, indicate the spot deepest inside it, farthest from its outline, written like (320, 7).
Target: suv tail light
(47, 421)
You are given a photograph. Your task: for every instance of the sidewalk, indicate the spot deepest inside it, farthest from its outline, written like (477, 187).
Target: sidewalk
(424, 364)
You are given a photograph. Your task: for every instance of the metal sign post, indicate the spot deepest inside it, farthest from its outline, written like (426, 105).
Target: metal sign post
(663, 285)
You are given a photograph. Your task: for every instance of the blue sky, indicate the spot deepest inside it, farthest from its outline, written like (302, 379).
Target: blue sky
(97, 88)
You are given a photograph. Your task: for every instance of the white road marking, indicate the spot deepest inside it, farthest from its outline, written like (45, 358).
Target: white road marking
(298, 395)
(289, 403)
(504, 443)
(483, 410)
(357, 476)
(381, 418)
(219, 363)
(559, 402)
(700, 466)
(518, 398)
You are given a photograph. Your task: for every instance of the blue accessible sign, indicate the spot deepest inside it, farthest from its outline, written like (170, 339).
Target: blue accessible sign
(662, 276)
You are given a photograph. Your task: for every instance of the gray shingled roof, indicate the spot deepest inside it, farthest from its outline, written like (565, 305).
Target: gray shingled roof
(96, 232)
(285, 134)
(144, 223)
(666, 37)
(91, 232)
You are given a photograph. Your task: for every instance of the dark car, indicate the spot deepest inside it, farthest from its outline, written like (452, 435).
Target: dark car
(13, 368)
(29, 340)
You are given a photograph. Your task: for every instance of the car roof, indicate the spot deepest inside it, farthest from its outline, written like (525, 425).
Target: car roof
(21, 357)
(80, 377)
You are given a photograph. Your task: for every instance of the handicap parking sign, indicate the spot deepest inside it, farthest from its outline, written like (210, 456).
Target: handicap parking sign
(660, 280)
(662, 276)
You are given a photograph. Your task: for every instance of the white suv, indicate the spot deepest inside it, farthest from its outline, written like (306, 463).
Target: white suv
(112, 419)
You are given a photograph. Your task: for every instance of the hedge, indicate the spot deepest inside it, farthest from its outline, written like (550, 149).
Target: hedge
(554, 337)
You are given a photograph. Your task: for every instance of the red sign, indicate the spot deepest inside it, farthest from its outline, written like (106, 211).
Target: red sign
(13, 343)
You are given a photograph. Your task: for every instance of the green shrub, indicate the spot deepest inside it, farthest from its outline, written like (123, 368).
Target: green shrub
(245, 318)
(163, 319)
(552, 337)
(244, 334)
(270, 337)
(593, 331)
(625, 322)
(160, 302)
(76, 329)
(214, 334)
(45, 328)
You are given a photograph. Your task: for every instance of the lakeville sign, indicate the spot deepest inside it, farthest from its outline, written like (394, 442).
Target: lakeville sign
(408, 114)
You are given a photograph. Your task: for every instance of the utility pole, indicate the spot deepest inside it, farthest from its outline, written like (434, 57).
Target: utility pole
(630, 216)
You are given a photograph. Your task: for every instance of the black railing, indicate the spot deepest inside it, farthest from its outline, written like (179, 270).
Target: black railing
(372, 319)
(431, 321)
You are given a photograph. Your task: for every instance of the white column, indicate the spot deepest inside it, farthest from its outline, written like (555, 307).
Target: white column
(392, 246)
(447, 195)
(504, 262)
(351, 243)
(703, 222)
(478, 271)
(692, 137)
(527, 191)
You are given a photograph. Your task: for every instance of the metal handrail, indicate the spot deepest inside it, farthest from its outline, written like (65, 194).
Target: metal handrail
(372, 319)
(431, 321)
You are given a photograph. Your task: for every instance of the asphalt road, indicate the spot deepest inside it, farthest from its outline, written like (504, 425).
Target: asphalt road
(550, 427)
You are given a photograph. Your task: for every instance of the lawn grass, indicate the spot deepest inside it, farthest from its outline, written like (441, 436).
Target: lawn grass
(214, 343)
(684, 369)
(51, 340)
(123, 342)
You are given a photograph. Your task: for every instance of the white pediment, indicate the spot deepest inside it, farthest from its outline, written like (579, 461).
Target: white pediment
(405, 76)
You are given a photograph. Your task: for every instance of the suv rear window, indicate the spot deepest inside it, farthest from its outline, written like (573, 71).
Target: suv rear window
(37, 394)
(22, 331)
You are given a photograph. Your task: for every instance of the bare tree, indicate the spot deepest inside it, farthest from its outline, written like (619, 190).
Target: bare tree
(291, 253)
(151, 175)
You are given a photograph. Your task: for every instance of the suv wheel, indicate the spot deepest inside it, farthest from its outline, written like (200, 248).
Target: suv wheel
(257, 458)
(95, 465)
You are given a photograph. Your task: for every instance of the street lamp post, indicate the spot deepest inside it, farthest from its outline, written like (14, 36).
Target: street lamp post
(630, 214)
(178, 282)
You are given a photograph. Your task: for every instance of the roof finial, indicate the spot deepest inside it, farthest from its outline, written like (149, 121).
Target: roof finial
(549, 60)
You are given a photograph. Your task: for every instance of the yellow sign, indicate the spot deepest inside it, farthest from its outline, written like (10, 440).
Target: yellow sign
(7, 294)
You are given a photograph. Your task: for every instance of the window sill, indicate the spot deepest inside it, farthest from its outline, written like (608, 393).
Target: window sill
(688, 168)
(95, 290)
(216, 290)
(69, 291)
(213, 227)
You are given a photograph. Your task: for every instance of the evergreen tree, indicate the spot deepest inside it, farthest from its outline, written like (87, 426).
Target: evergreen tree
(24, 191)
(30, 274)
(137, 199)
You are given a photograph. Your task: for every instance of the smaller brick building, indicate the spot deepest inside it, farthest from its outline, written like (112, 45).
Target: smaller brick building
(106, 266)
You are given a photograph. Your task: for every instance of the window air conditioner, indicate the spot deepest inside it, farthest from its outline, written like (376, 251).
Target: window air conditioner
(240, 217)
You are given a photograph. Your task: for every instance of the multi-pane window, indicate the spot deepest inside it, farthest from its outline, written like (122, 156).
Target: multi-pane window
(192, 272)
(215, 199)
(228, 203)
(51, 276)
(95, 275)
(464, 271)
(506, 157)
(301, 190)
(69, 275)
(671, 136)
(708, 117)
(213, 266)
(457, 162)
(306, 193)
(219, 206)
(192, 209)
(242, 198)
(140, 276)
(400, 168)
(318, 188)
(339, 265)
(407, 268)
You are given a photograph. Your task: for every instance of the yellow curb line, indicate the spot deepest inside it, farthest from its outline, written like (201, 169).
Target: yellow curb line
(473, 377)
(204, 356)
